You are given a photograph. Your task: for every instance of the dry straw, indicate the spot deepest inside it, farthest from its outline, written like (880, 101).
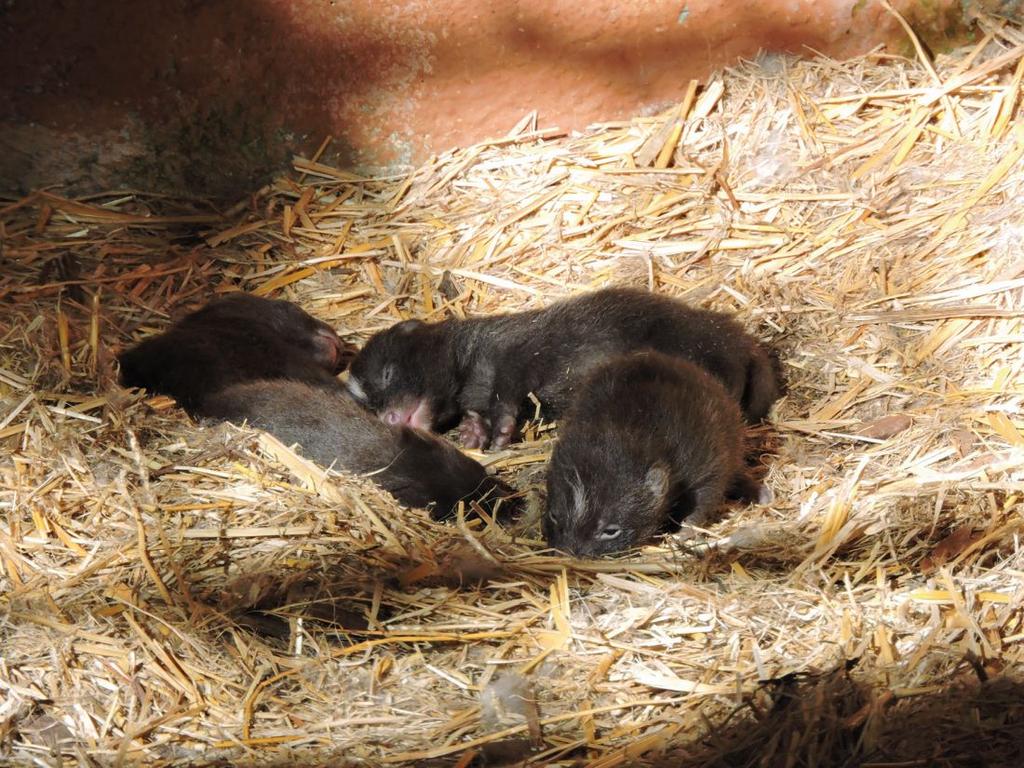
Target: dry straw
(173, 593)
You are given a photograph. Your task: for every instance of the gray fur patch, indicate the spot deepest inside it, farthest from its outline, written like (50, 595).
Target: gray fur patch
(355, 389)
(579, 498)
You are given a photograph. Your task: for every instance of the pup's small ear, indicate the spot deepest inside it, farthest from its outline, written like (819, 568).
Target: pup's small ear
(656, 481)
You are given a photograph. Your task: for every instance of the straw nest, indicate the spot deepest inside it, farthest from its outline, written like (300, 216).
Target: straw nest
(174, 593)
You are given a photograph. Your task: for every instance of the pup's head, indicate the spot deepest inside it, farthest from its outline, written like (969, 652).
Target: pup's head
(602, 500)
(404, 376)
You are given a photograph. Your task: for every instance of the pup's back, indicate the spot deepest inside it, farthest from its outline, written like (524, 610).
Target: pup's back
(484, 369)
(333, 430)
(237, 338)
(555, 348)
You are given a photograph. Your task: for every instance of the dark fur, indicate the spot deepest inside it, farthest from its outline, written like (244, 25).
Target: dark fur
(240, 337)
(482, 369)
(650, 441)
(417, 468)
(267, 362)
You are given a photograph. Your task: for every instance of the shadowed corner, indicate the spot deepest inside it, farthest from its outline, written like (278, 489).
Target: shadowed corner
(817, 718)
(838, 718)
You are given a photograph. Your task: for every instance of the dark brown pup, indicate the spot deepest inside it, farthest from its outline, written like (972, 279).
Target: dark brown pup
(651, 441)
(483, 369)
(417, 468)
(272, 365)
(239, 337)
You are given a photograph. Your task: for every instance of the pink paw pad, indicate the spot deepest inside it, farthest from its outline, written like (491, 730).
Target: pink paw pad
(473, 431)
(504, 429)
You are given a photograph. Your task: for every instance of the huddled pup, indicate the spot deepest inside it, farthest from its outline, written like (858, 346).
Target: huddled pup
(650, 441)
(236, 338)
(267, 362)
(480, 370)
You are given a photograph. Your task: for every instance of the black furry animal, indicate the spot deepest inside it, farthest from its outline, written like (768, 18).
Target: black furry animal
(239, 337)
(650, 441)
(416, 467)
(243, 358)
(483, 369)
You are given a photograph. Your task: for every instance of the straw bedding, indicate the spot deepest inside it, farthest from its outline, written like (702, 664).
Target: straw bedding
(176, 593)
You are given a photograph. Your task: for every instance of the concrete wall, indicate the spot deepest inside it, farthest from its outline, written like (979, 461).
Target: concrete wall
(210, 95)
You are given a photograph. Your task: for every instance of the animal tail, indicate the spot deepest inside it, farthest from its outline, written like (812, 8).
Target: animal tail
(765, 384)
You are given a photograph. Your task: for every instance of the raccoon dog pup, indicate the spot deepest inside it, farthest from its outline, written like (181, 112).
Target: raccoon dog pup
(269, 363)
(481, 370)
(651, 441)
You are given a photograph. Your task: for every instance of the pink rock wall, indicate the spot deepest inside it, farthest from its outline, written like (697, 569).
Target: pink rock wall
(209, 94)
